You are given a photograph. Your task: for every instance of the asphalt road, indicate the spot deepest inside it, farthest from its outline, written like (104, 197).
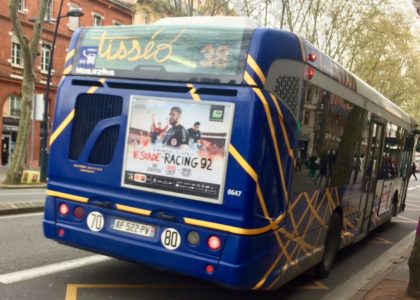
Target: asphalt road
(65, 273)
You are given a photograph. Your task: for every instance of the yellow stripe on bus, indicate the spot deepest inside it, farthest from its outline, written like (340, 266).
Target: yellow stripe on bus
(67, 70)
(70, 54)
(283, 127)
(227, 228)
(193, 92)
(257, 70)
(133, 210)
(67, 196)
(62, 126)
(94, 88)
(263, 100)
(242, 162)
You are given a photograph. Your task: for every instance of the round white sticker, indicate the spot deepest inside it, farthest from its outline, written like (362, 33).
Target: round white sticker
(95, 221)
(170, 238)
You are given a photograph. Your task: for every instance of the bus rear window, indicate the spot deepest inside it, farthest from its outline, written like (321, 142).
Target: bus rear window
(179, 53)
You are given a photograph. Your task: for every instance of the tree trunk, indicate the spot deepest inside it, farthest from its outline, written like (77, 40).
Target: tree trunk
(29, 53)
(413, 288)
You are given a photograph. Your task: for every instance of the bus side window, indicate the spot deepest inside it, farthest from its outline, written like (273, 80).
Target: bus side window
(332, 141)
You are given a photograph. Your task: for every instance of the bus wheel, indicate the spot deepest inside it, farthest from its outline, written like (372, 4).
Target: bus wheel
(331, 246)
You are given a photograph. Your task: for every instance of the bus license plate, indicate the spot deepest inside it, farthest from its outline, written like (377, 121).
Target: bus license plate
(133, 227)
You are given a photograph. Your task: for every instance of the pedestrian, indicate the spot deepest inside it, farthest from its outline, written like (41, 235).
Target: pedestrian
(413, 171)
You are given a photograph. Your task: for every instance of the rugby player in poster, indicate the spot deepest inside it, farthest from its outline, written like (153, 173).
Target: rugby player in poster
(177, 135)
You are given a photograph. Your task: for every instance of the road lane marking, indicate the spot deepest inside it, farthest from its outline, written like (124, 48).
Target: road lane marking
(405, 219)
(21, 216)
(411, 188)
(411, 204)
(71, 292)
(51, 269)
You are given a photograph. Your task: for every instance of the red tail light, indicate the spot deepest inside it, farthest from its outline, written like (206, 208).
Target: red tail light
(214, 242)
(63, 209)
(209, 269)
(310, 73)
(79, 212)
(312, 57)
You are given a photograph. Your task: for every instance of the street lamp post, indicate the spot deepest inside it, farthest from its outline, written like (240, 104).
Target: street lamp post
(44, 124)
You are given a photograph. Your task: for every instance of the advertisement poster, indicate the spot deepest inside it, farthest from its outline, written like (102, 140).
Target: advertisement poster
(178, 147)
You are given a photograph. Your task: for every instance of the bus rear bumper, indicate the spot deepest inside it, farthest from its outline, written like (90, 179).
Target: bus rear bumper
(236, 276)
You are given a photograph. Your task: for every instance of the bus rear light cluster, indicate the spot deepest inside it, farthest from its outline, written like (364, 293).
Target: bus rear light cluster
(214, 242)
(61, 232)
(63, 209)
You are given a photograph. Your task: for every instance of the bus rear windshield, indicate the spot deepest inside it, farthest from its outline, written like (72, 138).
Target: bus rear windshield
(178, 53)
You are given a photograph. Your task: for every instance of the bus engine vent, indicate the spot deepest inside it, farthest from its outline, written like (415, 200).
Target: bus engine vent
(89, 111)
(104, 148)
(288, 90)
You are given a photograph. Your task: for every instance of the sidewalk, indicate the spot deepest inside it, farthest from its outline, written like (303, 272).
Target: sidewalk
(391, 284)
(19, 207)
(3, 175)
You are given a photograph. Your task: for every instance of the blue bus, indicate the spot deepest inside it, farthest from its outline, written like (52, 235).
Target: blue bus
(239, 155)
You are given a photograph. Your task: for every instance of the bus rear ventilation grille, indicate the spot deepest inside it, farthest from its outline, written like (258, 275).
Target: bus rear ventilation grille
(89, 111)
(104, 148)
(86, 83)
(148, 87)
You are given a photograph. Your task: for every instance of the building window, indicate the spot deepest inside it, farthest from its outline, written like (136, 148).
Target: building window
(20, 4)
(97, 19)
(45, 57)
(16, 52)
(306, 117)
(14, 106)
(49, 13)
(73, 21)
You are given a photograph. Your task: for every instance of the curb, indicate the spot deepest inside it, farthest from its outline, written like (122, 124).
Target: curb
(361, 282)
(21, 207)
(23, 186)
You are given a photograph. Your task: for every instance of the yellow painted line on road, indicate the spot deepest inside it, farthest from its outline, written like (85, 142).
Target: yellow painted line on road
(379, 240)
(71, 292)
(314, 285)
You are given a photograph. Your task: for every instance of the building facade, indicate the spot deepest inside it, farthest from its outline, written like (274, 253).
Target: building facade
(96, 13)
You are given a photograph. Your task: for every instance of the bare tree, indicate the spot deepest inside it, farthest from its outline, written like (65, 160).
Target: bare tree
(29, 54)
(178, 8)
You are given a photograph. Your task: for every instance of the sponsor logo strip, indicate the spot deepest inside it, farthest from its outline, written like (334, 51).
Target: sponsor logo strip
(62, 126)
(67, 196)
